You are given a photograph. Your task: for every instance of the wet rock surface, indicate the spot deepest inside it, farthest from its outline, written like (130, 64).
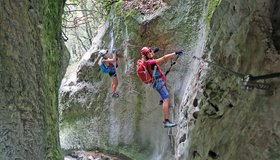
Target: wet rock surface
(92, 155)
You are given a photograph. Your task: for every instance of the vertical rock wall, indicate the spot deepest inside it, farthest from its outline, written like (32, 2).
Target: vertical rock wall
(216, 118)
(31, 66)
(234, 123)
(131, 124)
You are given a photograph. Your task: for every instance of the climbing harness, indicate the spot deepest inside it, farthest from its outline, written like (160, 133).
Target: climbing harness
(248, 81)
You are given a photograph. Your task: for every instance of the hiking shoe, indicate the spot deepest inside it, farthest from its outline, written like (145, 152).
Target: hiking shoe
(115, 95)
(160, 102)
(168, 124)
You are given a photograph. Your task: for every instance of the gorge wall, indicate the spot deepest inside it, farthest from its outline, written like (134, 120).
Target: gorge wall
(217, 118)
(32, 63)
(131, 124)
(234, 123)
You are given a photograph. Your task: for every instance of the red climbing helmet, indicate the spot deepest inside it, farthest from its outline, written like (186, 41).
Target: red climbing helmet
(145, 50)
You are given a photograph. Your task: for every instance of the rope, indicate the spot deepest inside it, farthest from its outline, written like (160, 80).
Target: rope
(251, 78)
(221, 67)
(248, 81)
(172, 63)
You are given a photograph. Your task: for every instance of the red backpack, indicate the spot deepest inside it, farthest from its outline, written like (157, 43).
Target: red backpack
(143, 71)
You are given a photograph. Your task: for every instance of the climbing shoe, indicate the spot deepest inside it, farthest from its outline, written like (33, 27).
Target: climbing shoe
(168, 124)
(115, 95)
(160, 102)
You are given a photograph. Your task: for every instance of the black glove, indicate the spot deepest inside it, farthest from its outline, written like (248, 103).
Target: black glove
(179, 52)
(156, 50)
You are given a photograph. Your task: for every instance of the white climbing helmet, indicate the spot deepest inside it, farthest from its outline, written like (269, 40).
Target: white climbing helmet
(102, 52)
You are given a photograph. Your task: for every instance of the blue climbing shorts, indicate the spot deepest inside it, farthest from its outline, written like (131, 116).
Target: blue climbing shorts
(160, 86)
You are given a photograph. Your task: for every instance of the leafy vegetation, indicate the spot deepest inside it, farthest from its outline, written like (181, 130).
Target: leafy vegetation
(212, 5)
(106, 5)
(81, 19)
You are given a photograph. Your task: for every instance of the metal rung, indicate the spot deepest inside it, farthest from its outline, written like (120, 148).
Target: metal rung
(247, 84)
(169, 132)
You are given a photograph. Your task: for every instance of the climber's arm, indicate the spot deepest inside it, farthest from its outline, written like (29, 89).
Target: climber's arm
(111, 60)
(165, 58)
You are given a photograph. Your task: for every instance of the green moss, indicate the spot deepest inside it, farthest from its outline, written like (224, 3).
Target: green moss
(118, 10)
(107, 5)
(129, 152)
(124, 17)
(51, 39)
(134, 153)
(72, 117)
(212, 5)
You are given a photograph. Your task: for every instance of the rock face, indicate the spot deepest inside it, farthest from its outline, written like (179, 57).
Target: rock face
(234, 123)
(217, 119)
(31, 67)
(90, 118)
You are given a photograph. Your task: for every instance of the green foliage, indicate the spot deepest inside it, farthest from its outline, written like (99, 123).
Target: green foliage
(212, 5)
(74, 1)
(106, 5)
(121, 12)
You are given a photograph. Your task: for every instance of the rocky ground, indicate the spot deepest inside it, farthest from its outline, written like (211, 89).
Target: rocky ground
(92, 155)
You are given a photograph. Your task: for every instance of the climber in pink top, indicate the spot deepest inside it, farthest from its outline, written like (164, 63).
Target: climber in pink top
(159, 82)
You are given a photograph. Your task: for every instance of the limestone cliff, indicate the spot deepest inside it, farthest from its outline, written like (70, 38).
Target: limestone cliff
(235, 123)
(32, 61)
(131, 125)
(217, 118)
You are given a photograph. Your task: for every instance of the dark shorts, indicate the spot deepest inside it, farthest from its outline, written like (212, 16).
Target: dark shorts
(160, 86)
(112, 74)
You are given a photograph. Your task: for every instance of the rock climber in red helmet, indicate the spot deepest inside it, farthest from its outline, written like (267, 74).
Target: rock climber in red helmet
(159, 82)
